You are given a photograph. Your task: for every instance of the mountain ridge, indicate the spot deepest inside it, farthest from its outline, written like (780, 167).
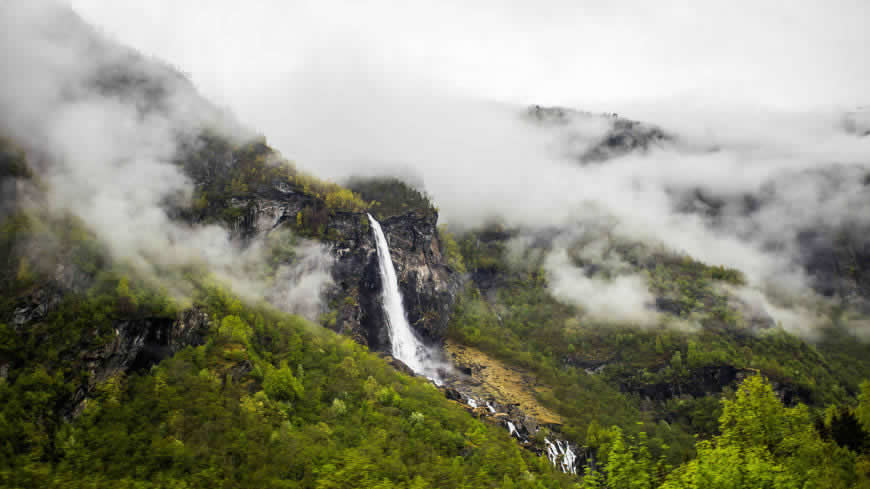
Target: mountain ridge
(172, 287)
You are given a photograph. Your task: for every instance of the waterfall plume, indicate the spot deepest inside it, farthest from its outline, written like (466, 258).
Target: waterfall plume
(404, 343)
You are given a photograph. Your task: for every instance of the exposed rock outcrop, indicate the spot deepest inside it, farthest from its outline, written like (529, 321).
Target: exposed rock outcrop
(133, 344)
(698, 383)
(428, 285)
(624, 137)
(504, 395)
(137, 345)
(838, 261)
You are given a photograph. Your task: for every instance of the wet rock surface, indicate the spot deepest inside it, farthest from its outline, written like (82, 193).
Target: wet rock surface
(505, 396)
(428, 285)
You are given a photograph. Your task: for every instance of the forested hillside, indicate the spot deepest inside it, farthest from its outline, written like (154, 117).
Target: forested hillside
(252, 396)
(182, 305)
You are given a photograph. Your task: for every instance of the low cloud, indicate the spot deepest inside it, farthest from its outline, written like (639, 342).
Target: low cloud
(299, 287)
(623, 298)
(797, 318)
(737, 186)
(102, 125)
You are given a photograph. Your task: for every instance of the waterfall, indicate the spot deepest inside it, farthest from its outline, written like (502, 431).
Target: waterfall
(561, 455)
(406, 346)
(512, 429)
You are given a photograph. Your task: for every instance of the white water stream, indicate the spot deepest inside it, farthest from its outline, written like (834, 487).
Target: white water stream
(406, 346)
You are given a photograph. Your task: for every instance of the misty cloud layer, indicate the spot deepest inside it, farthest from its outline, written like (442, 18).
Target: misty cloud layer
(103, 123)
(624, 298)
(341, 109)
(801, 171)
(596, 54)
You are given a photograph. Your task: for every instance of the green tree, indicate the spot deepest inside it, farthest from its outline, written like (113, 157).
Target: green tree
(235, 328)
(755, 417)
(281, 385)
(592, 479)
(454, 254)
(627, 467)
(677, 362)
(730, 467)
(127, 302)
(765, 445)
(862, 412)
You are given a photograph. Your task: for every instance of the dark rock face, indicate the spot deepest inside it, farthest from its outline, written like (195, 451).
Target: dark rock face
(839, 263)
(36, 306)
(428, 286)
(399, 365)
(701, 381)
(667, 305)
(791, 394)
(713, 379)
(624, 137)
(427, 283)
(141, 343)
(263, 214)
(138, 344)
(452, 394)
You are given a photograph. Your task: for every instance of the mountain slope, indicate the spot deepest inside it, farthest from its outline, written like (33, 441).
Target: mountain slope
(181, 306)
(126, 360)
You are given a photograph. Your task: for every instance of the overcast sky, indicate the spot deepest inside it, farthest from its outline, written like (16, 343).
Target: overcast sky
(596, 54)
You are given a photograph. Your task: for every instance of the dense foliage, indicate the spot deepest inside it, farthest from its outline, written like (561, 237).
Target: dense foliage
(233, 413)
(269, 401)
(661, 381)
(228, 175)
(391, 196)
(763, 444)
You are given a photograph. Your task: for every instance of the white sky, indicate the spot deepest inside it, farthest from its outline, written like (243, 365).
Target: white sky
(594, 54)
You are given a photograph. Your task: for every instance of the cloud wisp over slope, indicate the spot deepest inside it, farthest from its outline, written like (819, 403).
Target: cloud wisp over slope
(104, 126)
(736, 185)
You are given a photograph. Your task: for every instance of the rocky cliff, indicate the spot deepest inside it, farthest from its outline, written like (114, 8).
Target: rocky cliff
(621, 136)
(269, 201)
(130, 339)
(101, 350)
(428, 284)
